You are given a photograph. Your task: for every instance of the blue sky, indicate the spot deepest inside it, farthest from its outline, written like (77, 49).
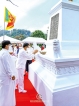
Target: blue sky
(38, 17)
(31, 14)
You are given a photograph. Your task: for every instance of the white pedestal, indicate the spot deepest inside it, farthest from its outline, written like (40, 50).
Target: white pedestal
(55, 75)
(57, 81)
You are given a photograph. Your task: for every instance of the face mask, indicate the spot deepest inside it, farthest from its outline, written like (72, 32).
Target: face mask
(10, 49)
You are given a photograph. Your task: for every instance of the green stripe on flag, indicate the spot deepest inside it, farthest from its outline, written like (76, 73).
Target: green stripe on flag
(6, 15)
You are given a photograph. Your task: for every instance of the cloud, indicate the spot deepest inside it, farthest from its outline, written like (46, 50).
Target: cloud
(1, 13)
(44, 28)
(24, 6)
(27, 5)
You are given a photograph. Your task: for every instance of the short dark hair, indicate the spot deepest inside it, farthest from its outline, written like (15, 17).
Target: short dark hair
(25, 44)
(5, 42)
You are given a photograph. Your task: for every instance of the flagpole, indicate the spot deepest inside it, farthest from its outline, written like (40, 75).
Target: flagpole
(4, 25)
(4, 31)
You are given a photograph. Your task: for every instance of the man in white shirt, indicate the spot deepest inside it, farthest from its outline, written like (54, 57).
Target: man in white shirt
(23, 55)
(7, 76)
(15, 50)
(28, 62)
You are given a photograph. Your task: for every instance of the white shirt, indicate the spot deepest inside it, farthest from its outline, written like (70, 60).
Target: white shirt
(7, 85)
(30, 49)
(23, 55)
(15, 51)
(7, 66)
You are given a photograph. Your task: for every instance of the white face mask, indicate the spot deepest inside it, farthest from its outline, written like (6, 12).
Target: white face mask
(10, 49)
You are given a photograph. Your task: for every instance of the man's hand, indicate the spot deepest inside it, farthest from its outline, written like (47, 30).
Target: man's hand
(35, 51)
(13, 77)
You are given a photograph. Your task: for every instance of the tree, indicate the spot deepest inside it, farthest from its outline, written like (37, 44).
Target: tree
(38, 33)
(20, 37)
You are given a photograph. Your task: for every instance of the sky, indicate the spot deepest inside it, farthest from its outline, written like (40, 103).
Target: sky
(30, 14)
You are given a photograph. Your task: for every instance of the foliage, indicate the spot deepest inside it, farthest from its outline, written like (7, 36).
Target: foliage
(15, 32)
(21, 34)
(39, 45)
(20, 37)
(38, 33)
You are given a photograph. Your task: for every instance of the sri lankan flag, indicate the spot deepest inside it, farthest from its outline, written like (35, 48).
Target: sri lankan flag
(9, 18)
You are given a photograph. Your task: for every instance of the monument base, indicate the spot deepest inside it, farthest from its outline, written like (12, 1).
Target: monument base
(55, 75)
(58, 84)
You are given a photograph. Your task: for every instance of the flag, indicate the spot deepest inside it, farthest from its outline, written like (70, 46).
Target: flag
(9, 18)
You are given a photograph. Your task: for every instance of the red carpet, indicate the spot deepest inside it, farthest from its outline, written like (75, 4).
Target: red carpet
(29, 98)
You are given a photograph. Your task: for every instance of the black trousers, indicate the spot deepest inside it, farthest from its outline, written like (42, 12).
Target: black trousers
(27, 65)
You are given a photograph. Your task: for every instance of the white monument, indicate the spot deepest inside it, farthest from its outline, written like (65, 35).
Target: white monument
(55, 75)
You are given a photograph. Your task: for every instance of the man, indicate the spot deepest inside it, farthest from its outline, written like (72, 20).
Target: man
(28, 62)
(15, 50)
(7, 76)
(42, 47)
(23, 55)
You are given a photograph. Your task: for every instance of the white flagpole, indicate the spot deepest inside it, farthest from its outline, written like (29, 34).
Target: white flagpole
(4, 26)
(4, 32)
